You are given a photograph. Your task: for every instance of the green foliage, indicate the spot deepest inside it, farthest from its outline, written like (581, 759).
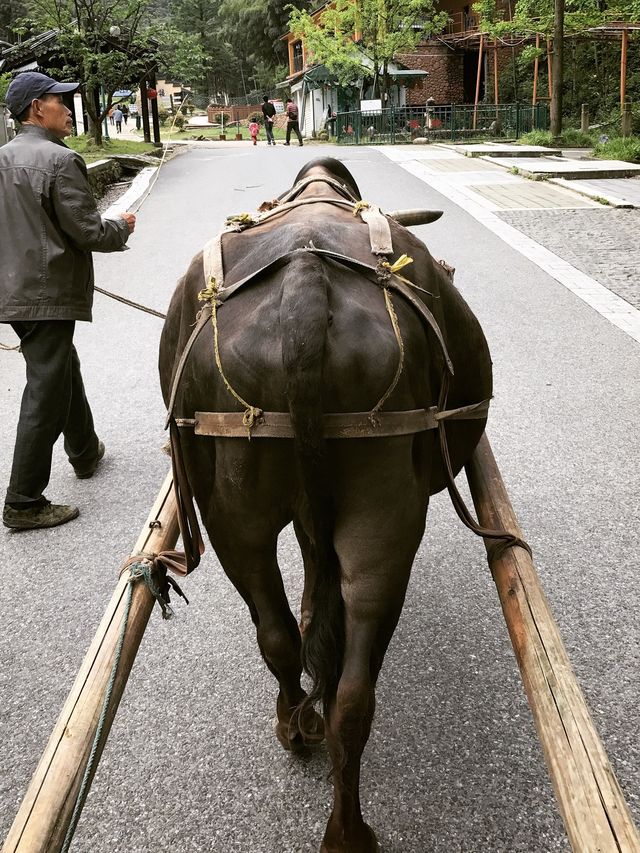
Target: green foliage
(536, 137)
(621, 148)
(5, 79)
(222, 118)
(163, 113)
(386, 27)
(257, 116)
(180, 121)
(572, 137)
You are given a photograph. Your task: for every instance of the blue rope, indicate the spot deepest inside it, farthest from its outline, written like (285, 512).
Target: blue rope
(137, 571)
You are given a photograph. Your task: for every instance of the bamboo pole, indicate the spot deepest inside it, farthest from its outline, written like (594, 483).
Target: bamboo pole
(46, 810)
(591, 803)
(477, 97)
(549, 70)
(536, 64)
(623, 68)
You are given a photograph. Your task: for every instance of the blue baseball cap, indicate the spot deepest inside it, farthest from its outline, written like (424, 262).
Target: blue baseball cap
(29, 85)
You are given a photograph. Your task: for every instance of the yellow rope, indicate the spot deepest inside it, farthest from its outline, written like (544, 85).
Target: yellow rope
(210, 295)
(396, 266)
(360, 205)
(240, 219)
(398, 334)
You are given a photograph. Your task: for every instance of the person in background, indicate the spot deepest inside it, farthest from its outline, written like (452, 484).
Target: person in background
(269, 112)
(117, 117)
(292, 121)
(50, 226)
(110, 114)
(254, 130)
(124, 109)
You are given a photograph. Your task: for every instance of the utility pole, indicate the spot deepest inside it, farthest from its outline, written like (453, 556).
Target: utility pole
(557, 74)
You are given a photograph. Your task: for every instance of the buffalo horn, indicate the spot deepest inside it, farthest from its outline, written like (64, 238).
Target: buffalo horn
(415, 217)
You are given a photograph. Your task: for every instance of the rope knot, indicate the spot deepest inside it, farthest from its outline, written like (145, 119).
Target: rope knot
(210, 292)
(251, 415)
(360, 206)
(151, 568)
(240, 221)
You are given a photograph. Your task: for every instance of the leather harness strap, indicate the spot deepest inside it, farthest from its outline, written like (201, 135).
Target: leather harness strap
(336, 425)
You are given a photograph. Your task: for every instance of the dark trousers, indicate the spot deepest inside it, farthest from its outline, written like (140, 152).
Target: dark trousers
(293, 126)
(53, 402)
(268, 126)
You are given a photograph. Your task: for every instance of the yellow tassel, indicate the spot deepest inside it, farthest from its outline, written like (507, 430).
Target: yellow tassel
(210, 292)
(396, 266)
(360, 205)
(240, 219)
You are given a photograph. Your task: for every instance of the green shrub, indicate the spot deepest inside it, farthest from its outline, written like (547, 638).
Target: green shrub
(163, 113)
(257, 116)
(220, 117)
(536, 137)
(180, 121)
(575, 138)
(620, 148)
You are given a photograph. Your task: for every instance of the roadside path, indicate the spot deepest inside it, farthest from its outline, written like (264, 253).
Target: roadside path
(589, 248)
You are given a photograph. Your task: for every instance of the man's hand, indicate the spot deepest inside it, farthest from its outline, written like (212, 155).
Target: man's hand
(130, 219)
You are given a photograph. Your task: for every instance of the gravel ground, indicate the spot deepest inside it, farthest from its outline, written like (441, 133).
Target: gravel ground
(601, 243)
(112, 194)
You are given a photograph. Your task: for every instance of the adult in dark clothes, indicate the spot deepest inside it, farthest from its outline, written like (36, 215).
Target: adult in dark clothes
(292, 121)
(49, 225)
(269, 112)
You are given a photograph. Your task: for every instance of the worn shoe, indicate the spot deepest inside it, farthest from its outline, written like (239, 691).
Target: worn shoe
(43, 515)
(285, 143)
(90, 470)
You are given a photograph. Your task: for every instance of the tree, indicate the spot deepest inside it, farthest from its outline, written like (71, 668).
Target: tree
(590, 68)
(108, 45)
(384, 28)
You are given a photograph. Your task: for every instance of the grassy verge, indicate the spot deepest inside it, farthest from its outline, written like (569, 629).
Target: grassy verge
(620, 148)
(90, 152)
(571, 137)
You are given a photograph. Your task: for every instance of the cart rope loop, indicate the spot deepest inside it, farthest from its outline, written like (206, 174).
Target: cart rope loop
(153, 570)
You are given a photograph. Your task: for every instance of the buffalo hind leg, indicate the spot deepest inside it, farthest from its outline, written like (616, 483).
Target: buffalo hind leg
(253, 569)
(376, 541)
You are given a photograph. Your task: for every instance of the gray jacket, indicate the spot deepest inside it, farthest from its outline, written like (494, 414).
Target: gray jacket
(49, 225)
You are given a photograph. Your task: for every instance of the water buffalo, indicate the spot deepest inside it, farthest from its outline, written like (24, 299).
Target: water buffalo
(308, 336)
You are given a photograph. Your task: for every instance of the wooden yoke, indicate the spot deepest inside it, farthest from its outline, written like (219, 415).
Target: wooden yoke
(595, 814)
(47, 808)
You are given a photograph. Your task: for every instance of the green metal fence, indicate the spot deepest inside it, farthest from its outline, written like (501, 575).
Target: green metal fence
(451, 122)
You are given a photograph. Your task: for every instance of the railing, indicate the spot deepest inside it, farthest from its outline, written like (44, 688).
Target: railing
(451, 122)
(462, 22)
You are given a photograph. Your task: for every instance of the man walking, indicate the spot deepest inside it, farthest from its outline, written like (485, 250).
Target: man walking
(268, 111)
(117, 117)
(49, 225)
(292, 121)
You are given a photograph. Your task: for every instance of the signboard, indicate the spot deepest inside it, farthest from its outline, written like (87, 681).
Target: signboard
(371, 108)
(278, 105)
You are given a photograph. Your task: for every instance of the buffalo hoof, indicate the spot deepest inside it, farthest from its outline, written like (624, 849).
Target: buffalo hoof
(295, 737)
(366, 842)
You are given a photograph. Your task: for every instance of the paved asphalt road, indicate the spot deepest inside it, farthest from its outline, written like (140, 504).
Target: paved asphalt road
(453, 764)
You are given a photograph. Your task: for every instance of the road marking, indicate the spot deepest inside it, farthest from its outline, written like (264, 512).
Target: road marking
(610, 306)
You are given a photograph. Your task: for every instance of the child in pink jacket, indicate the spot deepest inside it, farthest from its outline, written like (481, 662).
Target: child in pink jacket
(254, 129)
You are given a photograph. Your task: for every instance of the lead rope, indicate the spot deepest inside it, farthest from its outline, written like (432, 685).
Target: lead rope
(384, 272)
(210, 295)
